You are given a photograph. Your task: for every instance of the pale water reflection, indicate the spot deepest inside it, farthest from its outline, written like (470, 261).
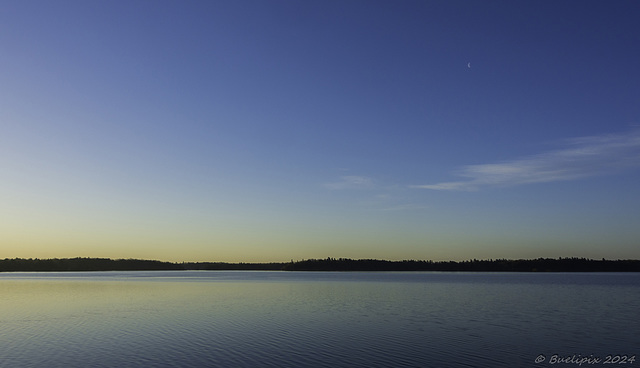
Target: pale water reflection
(280, 319)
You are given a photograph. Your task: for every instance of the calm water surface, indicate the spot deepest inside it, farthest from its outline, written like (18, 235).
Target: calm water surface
(298, 319)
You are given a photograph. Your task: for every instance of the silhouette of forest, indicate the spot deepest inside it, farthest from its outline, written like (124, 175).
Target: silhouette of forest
(106, 264)
(84, 264)
(498, 265)
(327, 264)
(213, 266)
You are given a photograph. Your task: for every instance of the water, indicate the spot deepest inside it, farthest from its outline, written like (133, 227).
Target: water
(298, 319)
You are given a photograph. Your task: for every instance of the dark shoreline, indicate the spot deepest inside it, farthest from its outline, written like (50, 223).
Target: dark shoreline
(328, 264)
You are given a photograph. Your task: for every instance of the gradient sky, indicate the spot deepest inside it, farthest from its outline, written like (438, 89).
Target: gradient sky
(274, 130)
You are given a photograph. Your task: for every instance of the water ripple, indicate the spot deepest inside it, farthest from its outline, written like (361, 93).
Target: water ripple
(304, 322)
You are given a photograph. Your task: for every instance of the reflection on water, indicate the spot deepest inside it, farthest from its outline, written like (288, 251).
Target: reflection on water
(279, 319)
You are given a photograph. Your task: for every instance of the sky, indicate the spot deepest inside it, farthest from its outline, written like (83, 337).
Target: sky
(268, 131)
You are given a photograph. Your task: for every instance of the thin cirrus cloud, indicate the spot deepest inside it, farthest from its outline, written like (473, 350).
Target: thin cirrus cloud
(578, 158)
(351, 182)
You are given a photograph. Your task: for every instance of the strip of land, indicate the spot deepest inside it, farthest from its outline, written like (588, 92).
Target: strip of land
(328, 264)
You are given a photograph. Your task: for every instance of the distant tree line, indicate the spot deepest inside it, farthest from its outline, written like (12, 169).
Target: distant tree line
(498, 265)
(213, 266)
(106, 264)
(327, 264)
(84, 264)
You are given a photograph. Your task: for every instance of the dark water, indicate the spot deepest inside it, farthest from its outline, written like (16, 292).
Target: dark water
(291, 319)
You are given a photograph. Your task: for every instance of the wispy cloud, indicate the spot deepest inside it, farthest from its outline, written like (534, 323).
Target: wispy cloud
(351, 182)
(578, 158)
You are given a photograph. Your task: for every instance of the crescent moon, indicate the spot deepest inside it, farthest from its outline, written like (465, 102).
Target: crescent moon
(469, 65)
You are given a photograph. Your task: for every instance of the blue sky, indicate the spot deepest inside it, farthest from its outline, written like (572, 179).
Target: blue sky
(276, 130)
